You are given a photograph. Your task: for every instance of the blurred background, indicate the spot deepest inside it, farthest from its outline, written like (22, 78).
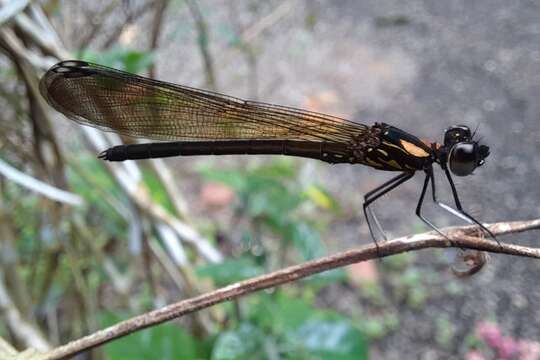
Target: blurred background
(84, 244)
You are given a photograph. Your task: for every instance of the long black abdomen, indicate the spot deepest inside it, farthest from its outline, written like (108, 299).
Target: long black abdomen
(325, 151)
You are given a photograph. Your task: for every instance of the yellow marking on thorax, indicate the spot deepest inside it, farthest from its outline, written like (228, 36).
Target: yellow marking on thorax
(372, 163)
(413, 149)
(392, 163)
(382, 152)
(391, 145)
(409, 167)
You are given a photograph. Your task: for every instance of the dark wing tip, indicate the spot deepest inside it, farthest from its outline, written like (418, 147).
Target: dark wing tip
(52, 83)
(71, 69)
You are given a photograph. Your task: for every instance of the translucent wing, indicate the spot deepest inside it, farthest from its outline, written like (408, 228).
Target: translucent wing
(136, 106)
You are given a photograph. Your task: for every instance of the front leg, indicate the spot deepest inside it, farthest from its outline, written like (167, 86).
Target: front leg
(459, 212)
(428, 178)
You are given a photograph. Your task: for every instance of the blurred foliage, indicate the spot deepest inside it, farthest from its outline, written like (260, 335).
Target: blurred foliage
(281, 221)
(282, 323)
(285, 220)
(445, 331)
(71, 271)
(231, 270)
(80, 268)
(275, 326)
(270, 196)
(166, 341)
(158, 191)
(377, 327)
(119, 58)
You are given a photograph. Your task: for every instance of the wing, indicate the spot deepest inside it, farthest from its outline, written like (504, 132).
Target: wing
(133, 105)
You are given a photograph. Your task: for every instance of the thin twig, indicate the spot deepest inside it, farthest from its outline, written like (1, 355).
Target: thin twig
(10, 260)
(461, 238)
(6, 350)
(122, 25)
(203, 42)
(9, 9)
(128, 175)
(248, 36)
(47, 41)
(170, 185)
(95, 26)
(268, 21)
(39, 186)
(157, 25)
(24, 331)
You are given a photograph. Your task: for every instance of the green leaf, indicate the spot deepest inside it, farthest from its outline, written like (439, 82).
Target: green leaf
(261, 197)
(283, 168)
(332, 339)
(306, 239)
(234, 179)
(303, 332)
(230, 270)
(279, 312)
(326, 278)
(242, 343)
(320, 197)
(399, 262)
(374, 328)
(120, 58)
(164, 342)
(91, 170)
(157, 190)
(90, 180)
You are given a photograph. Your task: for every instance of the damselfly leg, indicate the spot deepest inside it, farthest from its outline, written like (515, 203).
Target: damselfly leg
(459, 212)
(428, 178)
(376, 193)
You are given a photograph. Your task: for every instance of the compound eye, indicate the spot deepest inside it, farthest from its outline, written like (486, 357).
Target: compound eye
(463, 158)
(456, 134)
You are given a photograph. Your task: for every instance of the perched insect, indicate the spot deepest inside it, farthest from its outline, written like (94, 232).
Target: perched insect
(206, 123)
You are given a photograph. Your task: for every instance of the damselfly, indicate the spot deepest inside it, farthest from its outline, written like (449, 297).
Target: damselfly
(206, 123)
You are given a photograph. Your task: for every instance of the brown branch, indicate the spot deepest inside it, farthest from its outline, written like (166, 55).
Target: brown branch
(462, 237)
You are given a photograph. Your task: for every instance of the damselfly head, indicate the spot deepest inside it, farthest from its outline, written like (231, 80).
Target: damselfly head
(456, 134)
(464, 154)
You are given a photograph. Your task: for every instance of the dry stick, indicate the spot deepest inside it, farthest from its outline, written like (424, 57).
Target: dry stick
(9, 9)
(140, 196)
(130, 19)
(461, 237)
(95, 26)
(161, 170)
(23, 330)
(252, 32)
(169, 182)
(6, 350)
(15, 301)
(185, 231)
(157, 25)
(268, 21)
(203, 42)
(33, 184)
